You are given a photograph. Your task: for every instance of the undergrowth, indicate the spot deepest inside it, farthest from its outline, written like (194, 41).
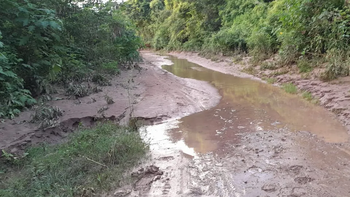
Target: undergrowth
(308, 96)
(307, 33)
(81, 90)
(46, 115)
(290, 88)
(270, 80)
(91, 161)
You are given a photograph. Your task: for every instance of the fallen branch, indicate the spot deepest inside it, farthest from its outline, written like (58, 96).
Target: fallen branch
(101, 164)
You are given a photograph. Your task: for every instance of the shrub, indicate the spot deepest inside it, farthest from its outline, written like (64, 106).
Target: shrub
(337, 65)
(271, 80)
(79, 90)
(47, 116)
(308, 96)
(268, 66)
(100, 80)
(304, 66)
(290, 88)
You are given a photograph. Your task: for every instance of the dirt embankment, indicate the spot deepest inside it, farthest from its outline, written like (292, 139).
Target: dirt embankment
(334, 95)
(150, 94)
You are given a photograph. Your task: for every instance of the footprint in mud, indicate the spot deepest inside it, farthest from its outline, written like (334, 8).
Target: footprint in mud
(168, 158)
(295, 169)
(270, 187)
(303, 180)
(166, 188)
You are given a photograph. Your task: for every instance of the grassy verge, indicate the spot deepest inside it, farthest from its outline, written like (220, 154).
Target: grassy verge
(90, 162)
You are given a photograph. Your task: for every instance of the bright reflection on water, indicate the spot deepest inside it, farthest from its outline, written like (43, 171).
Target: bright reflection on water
(248, 105)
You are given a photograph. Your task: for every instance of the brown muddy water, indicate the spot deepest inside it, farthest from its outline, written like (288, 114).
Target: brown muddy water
(247, 105)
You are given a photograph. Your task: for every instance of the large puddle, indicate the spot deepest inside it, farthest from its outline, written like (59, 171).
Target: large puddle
(246, 106)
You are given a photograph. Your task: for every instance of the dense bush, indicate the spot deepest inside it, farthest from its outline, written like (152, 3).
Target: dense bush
(47, 41)
(296, 29)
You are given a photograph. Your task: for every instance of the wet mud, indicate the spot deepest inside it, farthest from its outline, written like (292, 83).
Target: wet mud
(333, 95)
(258, 141)
(148, 94)
(253, 106)
(212, 134)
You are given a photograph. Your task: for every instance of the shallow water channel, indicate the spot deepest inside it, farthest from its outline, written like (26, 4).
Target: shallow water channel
(247, 105)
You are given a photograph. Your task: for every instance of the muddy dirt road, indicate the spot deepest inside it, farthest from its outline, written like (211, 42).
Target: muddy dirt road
(149, 94)
(214, 134)
(257, 141)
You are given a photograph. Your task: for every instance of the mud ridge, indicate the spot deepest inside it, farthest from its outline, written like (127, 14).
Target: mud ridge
(56, 134)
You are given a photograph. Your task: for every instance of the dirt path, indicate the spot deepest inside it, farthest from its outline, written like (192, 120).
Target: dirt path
(256, 162)
(249, 162)
(334, 95)
(150, 94)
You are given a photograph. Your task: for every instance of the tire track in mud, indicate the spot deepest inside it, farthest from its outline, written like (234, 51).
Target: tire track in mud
(258, 162)
(275, 163)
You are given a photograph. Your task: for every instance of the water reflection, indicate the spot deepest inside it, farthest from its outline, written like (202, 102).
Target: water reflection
(248, 105)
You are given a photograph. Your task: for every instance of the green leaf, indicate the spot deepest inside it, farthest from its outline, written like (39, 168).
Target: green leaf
(55, 25)
(31, 28)
(47, 11)
(44, 23)
(25, 22)
(56, 37)
(27, 66)
(23, 40)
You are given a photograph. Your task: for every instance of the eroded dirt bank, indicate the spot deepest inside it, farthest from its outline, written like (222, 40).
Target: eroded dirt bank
(149, 93)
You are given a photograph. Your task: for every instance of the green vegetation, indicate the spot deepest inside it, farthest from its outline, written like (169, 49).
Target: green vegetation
(290, 88)
(299, 31)
(271, 80)
(91, 161)
(58, 42)
(280, 72)
(250, 70)
(308, 96)
(268, 66)
(46, 115)
(304, 66)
